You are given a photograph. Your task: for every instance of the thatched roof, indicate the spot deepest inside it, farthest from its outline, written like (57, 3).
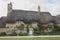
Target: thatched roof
(28, 16)
(45, 17)
(2, 22)
(11, 17)
(56, 19)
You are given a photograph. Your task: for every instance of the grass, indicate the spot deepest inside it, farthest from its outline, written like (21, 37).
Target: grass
(29, 38)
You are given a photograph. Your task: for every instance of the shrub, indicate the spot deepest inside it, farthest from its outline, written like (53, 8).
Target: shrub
(13, 34)
(23, 34)
(3, 34)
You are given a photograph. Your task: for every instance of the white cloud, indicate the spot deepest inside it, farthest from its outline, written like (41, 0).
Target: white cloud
(46, 5)
(23, 5)
(3, 9)
(52, 6)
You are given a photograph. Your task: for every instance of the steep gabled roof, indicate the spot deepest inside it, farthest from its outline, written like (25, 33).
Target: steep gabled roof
(45, 17)
(11, 17)
(29, 16)
(2, 22)
(56, 19)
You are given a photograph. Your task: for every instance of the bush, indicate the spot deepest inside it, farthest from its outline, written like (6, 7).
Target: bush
(23, 34)
(13, 34)
(18, 34)
(3, 34)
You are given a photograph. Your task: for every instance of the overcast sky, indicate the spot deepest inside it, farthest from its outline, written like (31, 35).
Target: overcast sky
(52, 6)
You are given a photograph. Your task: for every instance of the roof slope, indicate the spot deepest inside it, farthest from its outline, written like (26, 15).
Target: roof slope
(23, 15)
(29, 16)
(56, 19)
(2, 22)
(45, 17)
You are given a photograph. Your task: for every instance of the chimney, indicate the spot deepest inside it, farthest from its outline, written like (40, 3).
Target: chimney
(38, 8)
(9, 7)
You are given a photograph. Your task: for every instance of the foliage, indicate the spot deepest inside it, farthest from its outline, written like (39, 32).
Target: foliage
(40, 30)
(13, 34)
(21, 26)
(23, 34)
(55, 28)
(3, 34)
(27, 29)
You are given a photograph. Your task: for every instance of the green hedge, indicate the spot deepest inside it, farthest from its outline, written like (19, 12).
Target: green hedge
(13, 34)
(23, 34)
(3, 34)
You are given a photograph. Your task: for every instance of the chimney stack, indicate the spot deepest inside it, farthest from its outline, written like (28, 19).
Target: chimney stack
(38, 8)
(9, 7)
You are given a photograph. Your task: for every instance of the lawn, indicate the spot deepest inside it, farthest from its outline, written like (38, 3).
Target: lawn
(29, 38)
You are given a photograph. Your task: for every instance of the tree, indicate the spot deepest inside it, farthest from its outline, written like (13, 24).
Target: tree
(55, 28)
(21, 27)
(39, 30)
(27, 29)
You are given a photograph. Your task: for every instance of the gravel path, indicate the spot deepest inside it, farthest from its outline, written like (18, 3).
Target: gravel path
(48, 36)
